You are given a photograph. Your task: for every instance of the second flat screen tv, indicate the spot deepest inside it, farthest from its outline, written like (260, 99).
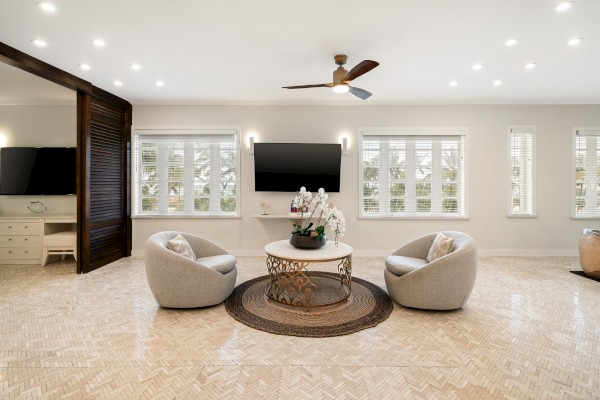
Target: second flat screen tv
(285, 167)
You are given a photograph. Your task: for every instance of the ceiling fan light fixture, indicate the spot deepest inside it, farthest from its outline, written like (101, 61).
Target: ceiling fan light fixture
(341, 88)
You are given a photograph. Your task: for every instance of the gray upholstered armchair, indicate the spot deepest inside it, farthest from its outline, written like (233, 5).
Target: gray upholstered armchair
(443, 284)
(180, 282)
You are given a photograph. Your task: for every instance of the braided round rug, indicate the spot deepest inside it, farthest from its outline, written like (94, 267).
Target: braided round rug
(367, 306)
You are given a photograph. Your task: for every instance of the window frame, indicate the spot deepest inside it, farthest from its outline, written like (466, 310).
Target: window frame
(528, 129)
(184, 130)
(574, 134)
(414, 131)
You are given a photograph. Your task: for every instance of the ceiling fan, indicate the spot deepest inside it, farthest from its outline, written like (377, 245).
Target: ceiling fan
(342, 78)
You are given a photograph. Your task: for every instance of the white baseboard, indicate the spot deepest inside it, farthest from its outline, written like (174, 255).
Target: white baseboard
(529, 252)
(385, 253)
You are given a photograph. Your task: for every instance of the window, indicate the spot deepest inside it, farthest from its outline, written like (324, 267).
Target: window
(521, 200)
(186, 172)
(412, 173)
(586, 188)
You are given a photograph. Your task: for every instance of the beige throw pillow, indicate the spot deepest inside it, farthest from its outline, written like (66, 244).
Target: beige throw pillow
(181, 246)
(441, 246)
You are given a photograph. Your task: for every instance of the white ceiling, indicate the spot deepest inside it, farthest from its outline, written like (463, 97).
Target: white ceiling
(242, 52)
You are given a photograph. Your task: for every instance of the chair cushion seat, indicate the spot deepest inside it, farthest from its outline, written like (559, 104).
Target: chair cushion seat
(400, 265)
(222, 264)
(68, 238)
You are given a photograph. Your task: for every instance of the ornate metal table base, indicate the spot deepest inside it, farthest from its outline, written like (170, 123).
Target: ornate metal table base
(292, 284)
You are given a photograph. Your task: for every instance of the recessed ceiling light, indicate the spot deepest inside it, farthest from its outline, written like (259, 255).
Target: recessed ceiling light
(117, 83)
(39, 42)
(453, 83)
(574, 41)
(564, 6)
(135, 67)
(477, 66)
(530, 66)
(48, 7)
(497, 82)
(160, 83)
(84, 66)
(98, 42)
(511, 42)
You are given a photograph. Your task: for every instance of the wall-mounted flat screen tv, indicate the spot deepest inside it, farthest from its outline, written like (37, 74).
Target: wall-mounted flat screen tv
(286, 167)
(38, 171)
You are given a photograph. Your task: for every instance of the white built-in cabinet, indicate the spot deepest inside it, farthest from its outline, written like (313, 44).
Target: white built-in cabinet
(22, 237)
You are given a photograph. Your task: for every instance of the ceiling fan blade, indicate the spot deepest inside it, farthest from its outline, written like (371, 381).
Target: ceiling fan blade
(308, 86)
(360, 93)
(360, 69)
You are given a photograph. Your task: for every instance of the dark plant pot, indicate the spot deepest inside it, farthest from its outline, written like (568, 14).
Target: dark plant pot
(307, 242)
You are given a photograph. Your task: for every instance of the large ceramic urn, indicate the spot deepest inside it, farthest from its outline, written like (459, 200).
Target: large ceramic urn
(589, 252)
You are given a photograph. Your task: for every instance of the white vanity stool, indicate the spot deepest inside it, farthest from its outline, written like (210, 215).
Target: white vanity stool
(61, 243)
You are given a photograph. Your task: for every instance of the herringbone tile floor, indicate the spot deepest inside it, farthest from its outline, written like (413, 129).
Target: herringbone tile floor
(531, 330)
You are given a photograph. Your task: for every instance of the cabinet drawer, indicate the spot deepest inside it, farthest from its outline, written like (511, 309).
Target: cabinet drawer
(20, 241)
(20, 228)
(21, 253)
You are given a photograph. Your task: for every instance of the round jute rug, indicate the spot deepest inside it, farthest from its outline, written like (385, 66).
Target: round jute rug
(367, 306)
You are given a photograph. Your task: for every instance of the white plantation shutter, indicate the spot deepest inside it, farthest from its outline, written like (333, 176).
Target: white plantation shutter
(586, 173)
(521, 198)
(186, 172)
(408, 173)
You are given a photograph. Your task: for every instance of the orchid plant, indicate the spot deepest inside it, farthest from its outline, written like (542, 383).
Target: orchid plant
(315, 213)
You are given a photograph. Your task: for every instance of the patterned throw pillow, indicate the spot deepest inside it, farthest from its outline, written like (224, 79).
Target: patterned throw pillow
(441, 246)
(181, 246)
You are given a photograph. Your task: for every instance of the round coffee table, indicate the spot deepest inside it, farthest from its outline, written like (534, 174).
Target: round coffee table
(293, 285)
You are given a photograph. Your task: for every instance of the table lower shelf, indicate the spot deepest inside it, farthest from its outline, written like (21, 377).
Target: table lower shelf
(311, 289)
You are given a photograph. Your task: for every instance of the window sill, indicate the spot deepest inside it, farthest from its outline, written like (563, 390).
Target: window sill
(585, 218)
(185, 216)
(412, 217)
(517, 216)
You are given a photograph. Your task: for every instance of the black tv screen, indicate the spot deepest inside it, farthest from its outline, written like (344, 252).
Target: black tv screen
(286, 167)
(37, 170)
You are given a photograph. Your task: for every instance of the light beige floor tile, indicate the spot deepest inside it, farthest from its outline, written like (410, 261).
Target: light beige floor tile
(531, 330)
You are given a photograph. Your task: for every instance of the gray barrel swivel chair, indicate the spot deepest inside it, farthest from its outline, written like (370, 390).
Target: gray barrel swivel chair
(177, 281)
(443, 284)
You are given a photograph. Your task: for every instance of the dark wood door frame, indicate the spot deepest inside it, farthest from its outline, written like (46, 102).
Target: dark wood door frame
(86, 93)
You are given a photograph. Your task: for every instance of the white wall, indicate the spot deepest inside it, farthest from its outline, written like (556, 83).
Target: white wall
(38, 126)
(552, 232)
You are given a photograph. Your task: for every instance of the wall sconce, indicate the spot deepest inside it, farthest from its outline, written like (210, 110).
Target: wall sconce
(344, 145)
(251, 144)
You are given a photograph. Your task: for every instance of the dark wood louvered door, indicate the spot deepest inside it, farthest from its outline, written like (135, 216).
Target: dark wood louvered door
(106, 229)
